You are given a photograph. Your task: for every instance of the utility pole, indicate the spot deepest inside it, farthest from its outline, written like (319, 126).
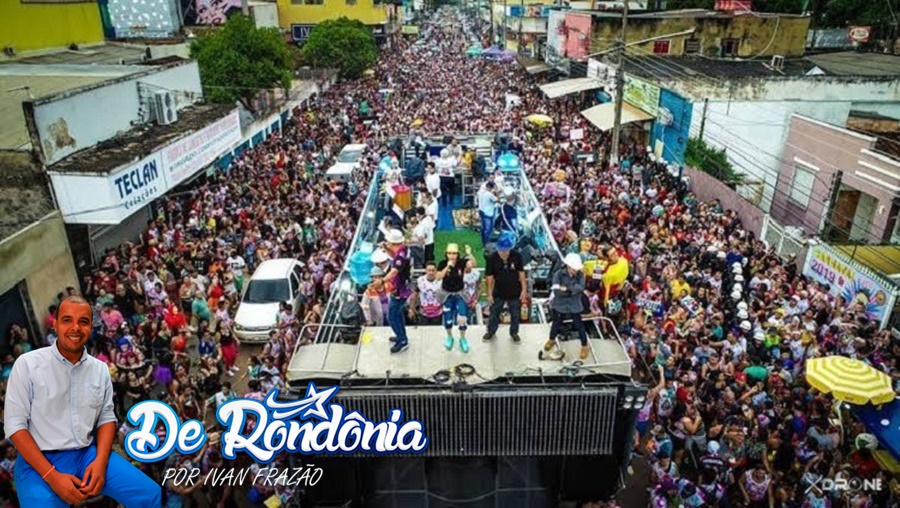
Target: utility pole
(504, 23)
(491, 20)
(620, 88)
(703, 118)
(521, 20)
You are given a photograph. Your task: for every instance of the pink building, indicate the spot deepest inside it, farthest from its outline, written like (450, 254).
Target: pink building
(838, 183)
(578, 34)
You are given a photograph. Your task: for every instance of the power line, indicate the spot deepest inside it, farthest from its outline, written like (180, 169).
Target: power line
(825, 203)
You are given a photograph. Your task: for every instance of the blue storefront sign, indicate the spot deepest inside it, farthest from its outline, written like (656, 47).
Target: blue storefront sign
(299, 33)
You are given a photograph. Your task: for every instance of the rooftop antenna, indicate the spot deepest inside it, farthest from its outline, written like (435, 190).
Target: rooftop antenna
(20, 88)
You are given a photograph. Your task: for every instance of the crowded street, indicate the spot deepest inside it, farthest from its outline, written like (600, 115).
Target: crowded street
(717, 326)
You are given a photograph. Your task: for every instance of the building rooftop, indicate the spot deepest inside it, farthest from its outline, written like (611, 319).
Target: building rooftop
(20, 82)
(710, 69)
(881, 258)
(24, 195)
(691, 13)
(853, 63)
(140, 141)
(99, 54)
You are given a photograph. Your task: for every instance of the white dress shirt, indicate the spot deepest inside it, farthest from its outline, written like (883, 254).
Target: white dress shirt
(58, 403)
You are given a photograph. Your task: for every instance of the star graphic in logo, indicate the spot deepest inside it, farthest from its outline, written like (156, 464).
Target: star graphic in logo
(318, 399)
(312, 405)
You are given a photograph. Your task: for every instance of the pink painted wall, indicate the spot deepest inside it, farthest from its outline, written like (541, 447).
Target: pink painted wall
(578, 43)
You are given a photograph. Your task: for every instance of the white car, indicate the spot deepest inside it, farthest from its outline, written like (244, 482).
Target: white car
(275, 281)
(347, 161)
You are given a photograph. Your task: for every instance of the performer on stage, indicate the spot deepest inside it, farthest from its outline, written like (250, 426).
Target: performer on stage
(59, 416)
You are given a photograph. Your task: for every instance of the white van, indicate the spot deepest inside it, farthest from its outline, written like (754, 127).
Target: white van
(347, 161)
(275, 281)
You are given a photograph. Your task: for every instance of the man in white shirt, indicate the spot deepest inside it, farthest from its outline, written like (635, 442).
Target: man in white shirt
(432, 180)
(236, 262)
(430, 204)
(423, 233)
(487, 209)
(445, 165)
(59, 416)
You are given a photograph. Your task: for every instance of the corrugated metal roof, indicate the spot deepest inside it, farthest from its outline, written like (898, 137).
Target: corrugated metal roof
(852, 63)
(882, 258)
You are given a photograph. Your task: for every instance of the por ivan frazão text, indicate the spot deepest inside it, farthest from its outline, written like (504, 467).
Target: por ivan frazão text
(306, 476)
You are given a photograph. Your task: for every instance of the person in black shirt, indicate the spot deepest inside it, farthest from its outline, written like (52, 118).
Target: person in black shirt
(505, 274)
(450, 272)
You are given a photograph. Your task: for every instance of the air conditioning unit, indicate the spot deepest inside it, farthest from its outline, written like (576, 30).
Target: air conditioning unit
(164, 107)
(778, 62)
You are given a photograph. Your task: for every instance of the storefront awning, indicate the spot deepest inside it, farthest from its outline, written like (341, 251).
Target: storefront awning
(537, 69)
(567, 86)
(532, 66)
(604, 116)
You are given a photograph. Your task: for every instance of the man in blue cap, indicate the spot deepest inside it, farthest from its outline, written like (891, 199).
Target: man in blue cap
(506, 287)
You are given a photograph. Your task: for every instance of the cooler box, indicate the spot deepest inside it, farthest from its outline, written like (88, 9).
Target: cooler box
(361, 267)
(403, 197)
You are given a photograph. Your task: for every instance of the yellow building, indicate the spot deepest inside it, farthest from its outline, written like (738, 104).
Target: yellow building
(29, 25)
(715, 33)
(299, 16)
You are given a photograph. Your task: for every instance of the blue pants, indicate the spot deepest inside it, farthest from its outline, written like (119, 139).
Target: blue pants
(124, 482)
(397, 320)
(455, 307)
(487, 227)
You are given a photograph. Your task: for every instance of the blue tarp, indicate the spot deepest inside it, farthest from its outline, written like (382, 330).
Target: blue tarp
(875, 418)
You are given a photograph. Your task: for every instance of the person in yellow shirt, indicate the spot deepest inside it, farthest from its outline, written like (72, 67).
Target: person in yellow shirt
(678, 285)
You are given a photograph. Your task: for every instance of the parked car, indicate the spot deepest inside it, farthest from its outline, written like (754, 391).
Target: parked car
(275, 281)
(347, 160)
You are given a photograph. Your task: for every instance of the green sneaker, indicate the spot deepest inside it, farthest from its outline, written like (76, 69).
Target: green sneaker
(464, 345)
(448, 342)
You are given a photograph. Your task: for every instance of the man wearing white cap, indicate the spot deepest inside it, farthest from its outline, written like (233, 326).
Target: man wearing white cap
(568, 286)
(393, 257)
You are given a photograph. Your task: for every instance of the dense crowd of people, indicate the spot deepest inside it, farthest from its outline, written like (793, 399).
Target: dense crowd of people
(716, 324)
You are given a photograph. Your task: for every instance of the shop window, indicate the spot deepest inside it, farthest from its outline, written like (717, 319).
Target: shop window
(692, 46)
(730, 47)
(661, 47)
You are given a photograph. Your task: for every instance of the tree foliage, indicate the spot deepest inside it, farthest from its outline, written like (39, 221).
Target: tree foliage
(342, 43)
(239, 60)
(711, 160)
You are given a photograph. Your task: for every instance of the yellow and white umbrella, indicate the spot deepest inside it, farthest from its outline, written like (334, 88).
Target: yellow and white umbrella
(539, 120)
(849, 380)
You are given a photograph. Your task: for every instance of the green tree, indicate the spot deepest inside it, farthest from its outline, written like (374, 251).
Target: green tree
(239, 60)
(342, 43)
(710, 160)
